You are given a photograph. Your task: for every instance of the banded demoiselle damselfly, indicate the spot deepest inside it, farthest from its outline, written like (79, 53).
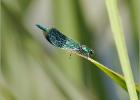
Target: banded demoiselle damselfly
(58, 39)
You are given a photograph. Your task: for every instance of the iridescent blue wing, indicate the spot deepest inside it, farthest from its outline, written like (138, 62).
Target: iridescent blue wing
(57, 39)
(72, 45)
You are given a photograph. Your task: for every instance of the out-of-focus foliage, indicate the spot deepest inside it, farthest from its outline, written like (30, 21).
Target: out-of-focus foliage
(31, 69)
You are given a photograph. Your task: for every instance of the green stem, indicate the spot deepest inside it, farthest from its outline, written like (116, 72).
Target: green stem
(121, 46)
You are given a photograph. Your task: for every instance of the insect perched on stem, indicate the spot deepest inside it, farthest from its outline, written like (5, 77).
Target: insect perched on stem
(58, 39)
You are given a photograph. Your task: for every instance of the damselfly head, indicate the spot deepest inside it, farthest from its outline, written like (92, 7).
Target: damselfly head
(91, 51)
(85, 50)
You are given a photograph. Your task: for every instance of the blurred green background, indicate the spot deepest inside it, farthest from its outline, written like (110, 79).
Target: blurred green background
(32, 69)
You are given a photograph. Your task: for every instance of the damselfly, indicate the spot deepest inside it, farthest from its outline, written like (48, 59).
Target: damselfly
(58, 39)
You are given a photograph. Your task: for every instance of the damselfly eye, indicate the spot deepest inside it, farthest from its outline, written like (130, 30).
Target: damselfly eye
(91, 51)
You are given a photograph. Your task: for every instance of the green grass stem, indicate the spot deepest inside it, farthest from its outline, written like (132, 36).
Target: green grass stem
(119, 38)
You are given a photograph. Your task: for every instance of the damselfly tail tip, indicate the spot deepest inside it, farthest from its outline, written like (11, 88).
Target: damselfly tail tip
(40, 27)
(37, 25)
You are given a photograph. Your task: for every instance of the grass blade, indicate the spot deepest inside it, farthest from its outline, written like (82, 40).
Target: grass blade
(118, 78)
(118, 34)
